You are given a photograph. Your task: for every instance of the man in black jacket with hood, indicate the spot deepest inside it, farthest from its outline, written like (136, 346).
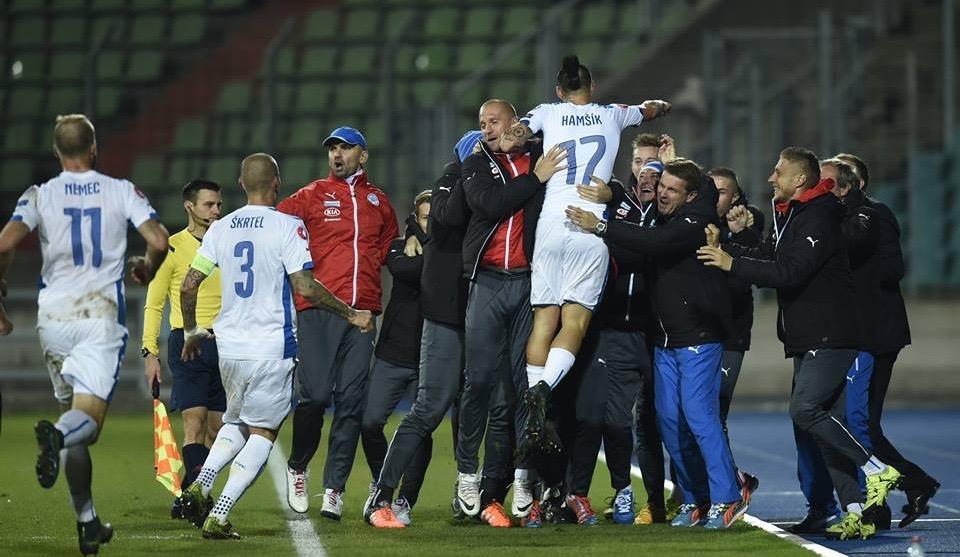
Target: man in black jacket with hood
(693, 310)
(805, 260)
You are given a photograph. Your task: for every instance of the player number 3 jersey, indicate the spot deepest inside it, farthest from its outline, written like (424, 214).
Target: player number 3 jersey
(255, 248)
(590, 134)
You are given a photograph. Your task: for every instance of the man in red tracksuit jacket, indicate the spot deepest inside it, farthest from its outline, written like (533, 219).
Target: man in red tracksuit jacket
(350, 224)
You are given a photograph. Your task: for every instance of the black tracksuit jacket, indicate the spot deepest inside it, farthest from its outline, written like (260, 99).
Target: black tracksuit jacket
(690, 300)
(809, 268)
(492, 197)
(443, 291)
(399, 341)
(872, 238)
(741, 291)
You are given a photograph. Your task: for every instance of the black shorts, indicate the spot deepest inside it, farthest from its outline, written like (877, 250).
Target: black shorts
(197, 382)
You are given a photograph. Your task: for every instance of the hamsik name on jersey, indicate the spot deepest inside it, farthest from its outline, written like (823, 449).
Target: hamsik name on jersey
(581, 120)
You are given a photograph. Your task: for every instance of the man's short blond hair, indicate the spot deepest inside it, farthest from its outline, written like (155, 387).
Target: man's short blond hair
(73, 136)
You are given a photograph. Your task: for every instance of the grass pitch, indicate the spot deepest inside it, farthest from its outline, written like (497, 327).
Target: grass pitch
(35, 521)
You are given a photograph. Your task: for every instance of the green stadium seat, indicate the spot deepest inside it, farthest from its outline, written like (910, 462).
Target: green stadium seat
(299, 170)
(29, 31)
(361, 24)
(358, 59)
(26, 101)
(473, 56)
(33, 65)
(17, 174)
(442, 23)
(223, 170)
(321, 24)
(69, 31)
(116, 25)
(590, 51)
(426, 91)
(65, 100)
(436, 56)
(148, 29)
(318, 60)
(145, 65)
(313, 97)
(306, 133)
(169, 205)
(234, 98)
(188, 29)
(19, 139)
(108, 5)
(108, 101)
(597, 20)
(188, 5)
(403, 60)
(399, 22)
(375, 133)
(110, 65)
(67, 65)
(227, 5)
(352, 97)
(481, 22)
(190, 135)
(141, 5)
(521, 60)
(237, 134)
(182, 169)
(471, 99)
(60, 6)
(286, 62)
(519, 19)
(149, 173)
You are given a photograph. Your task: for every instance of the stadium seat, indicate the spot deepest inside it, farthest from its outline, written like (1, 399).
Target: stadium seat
(236, 135)
(65, 100)
(149, 173)
(596, 20)
(223, 170)
(68, 31)
(110, 65)
(358, 59)
(67, 65)
(145, 65)
(234, 98)
(480, 22)
(306, 133)
(299, 170)
(353, 96)
(26, 101)
(434, 58)
(313, 97)
(108, 100)
(321, 24)
(61, 6)
(18, 174)
(442, 23)
(148, 30)
(318, 60)
(399, 22)
(473, 56)
(519, 19)
(286, 62)
(28, 31)
(188, 29)
(108, 5)
(19, 138)
(361, 24)
(426, 91)
(190, 135)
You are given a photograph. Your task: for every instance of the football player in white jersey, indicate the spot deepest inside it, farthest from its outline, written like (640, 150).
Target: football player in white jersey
(81, 216)
(260, 253)
(569, 267)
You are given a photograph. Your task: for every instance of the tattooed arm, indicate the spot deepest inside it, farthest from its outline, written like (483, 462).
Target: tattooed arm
(305, 285)
(192, 335)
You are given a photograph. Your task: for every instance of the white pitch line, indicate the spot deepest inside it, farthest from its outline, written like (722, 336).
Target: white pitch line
(755, 522)
(944, 507)
(305, 540)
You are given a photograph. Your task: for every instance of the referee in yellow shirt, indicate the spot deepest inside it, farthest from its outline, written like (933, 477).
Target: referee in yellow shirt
(197, 389)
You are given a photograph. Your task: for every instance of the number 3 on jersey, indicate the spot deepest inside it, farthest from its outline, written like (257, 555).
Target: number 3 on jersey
(571, 148)
(244, 250)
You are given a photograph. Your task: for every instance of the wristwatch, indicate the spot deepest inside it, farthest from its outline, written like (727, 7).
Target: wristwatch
(144, 352)
(601, 228)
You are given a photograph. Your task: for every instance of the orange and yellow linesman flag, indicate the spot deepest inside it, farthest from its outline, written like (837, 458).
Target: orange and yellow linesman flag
(166, 456)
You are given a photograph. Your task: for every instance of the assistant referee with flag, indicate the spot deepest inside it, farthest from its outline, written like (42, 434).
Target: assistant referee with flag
(197, 389)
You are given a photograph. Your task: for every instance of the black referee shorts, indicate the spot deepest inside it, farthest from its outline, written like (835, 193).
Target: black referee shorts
(197, 382)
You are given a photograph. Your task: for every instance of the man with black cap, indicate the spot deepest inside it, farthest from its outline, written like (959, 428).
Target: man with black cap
(350, 224)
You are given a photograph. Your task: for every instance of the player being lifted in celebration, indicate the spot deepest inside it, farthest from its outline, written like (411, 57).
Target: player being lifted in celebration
(569, 265)
(257, 250)
(81, 216)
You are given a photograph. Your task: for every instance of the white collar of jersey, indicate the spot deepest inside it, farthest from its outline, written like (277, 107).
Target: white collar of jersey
(353, 177)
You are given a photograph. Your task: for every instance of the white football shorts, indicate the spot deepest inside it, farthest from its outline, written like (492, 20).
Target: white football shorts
(259, 392)
(569, 265)
(83, 356)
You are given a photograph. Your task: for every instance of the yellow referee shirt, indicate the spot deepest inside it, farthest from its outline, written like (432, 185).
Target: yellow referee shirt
(166, 285)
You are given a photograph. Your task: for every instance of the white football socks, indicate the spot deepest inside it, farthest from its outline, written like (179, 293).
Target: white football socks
(559, 362)
(79, 471)
(228, 443)
(78, 428)
(244, 470)
(873, 466)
